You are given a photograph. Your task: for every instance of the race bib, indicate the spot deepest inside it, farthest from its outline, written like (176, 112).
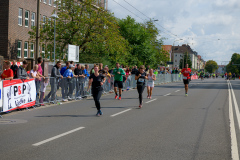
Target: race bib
(150, 80)
(141, 80)
(184, 77)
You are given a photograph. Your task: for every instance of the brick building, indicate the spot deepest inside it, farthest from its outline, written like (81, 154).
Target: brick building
(16, 19)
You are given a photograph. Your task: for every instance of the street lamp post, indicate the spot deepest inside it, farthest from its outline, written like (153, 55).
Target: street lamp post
(54, 16)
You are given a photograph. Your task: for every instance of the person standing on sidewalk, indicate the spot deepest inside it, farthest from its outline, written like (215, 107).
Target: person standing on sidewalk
(21, 72)
(141, 77)
(14, 68)
(186, 77)
(55, 75)
(7, 73)
(118, 80)
(80, 75)
(96, 80)
(40, 74)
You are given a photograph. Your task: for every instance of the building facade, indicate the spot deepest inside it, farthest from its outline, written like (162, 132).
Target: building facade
(17, 17)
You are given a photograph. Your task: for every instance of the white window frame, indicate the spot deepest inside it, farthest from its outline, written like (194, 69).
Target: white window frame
(33, 19)
(32, 50)
(43, 50)
(25, 50)
(19, 49)
(20, 10)
(44, 21)
(54, 4)
(26, 19)
(45, 1)
(50, 3)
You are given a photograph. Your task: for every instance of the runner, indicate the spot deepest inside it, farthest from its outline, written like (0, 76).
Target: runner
(118, 80)
(140, 77)
(150, 83)
(202, 75)
(96, 80)
(186, 77)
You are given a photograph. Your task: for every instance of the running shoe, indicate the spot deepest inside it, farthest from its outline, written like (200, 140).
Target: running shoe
(147, 96)
(186, 94)
(100, 112)
(140, 106)
(150, 97)
(64, 100)
(119, 98)
(116, 97)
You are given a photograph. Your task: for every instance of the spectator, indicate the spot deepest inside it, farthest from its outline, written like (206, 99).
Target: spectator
(14, 68)
(86, 70)
(44, 83)
(40, 74)
(64, 68)
(68, 89)
(80, 75)
(7, 73)
(101, 70)
(21, 72)
(134, 70)
(34, 73)
(55, 75)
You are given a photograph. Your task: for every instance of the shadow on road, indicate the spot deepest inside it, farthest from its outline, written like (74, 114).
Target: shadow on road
(67, 116)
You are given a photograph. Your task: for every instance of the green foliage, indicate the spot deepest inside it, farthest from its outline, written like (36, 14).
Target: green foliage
(81, 23)
(183, 61)
(233, 66)
(211, 66)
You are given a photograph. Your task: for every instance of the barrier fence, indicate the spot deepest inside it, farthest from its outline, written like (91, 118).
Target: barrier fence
(22, 93)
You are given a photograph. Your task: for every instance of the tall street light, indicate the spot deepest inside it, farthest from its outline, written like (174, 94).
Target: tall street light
(54, 16)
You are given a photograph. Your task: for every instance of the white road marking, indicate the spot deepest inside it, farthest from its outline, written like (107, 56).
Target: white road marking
(167, 94)
(234, 145)
(58, 136)
(151, 100)
(121, 112)
(177, 90)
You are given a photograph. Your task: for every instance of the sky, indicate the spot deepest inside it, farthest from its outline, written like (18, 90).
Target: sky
(210, 27)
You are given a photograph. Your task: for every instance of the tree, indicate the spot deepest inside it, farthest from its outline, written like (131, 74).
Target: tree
(233, 64)
(143, 41)
(182, 62)
(91, 28)
(211, 66)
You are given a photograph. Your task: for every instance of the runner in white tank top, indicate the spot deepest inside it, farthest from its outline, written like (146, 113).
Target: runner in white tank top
(150, 83)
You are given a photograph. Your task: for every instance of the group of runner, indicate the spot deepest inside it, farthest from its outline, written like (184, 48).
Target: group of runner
(97, 79)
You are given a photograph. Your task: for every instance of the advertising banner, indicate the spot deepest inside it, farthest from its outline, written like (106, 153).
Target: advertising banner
(18, 94)
(1, 97)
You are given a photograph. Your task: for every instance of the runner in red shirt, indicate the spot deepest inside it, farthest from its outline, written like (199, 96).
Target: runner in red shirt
(7, 73)
(186, 77)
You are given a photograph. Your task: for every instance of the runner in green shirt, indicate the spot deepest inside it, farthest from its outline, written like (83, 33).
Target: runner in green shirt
(118, 80)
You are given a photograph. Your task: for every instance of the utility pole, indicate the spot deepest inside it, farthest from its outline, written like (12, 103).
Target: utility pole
(37, 31)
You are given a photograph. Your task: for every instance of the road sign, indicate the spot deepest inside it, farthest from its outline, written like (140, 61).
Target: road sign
(73, 53)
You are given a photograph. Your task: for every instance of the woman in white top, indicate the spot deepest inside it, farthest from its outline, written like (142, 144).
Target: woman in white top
(150, 83)
(33, 72)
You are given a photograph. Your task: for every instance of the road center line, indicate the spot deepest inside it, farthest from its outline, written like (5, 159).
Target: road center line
(151, 100)
(121, 112)
(177, 90)
(58, 136)
(167, 94)
(234, 145)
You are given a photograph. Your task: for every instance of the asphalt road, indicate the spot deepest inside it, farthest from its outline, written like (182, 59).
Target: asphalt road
(169, 127)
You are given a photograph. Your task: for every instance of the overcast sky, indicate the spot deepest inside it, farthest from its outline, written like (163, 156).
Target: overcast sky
(210, 27)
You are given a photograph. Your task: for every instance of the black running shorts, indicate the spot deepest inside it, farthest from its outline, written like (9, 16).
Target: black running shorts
(186, 81)
(118, 84)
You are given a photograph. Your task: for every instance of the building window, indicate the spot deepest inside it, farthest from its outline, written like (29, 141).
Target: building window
(175, 60)
(45, 1)
(19, 49)
(32, 50)
(175, 55)
(25, 49)
(50, 21)
(54, 3)
(44, 21)
(20, 17)
(50, 2)
(33, 19)
(26, 18)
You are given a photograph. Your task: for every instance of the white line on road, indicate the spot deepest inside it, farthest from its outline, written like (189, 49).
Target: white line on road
(121, 112)
(177, 90)
(167, 94)
(151, 100)
(234, 145)
(58, 136)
